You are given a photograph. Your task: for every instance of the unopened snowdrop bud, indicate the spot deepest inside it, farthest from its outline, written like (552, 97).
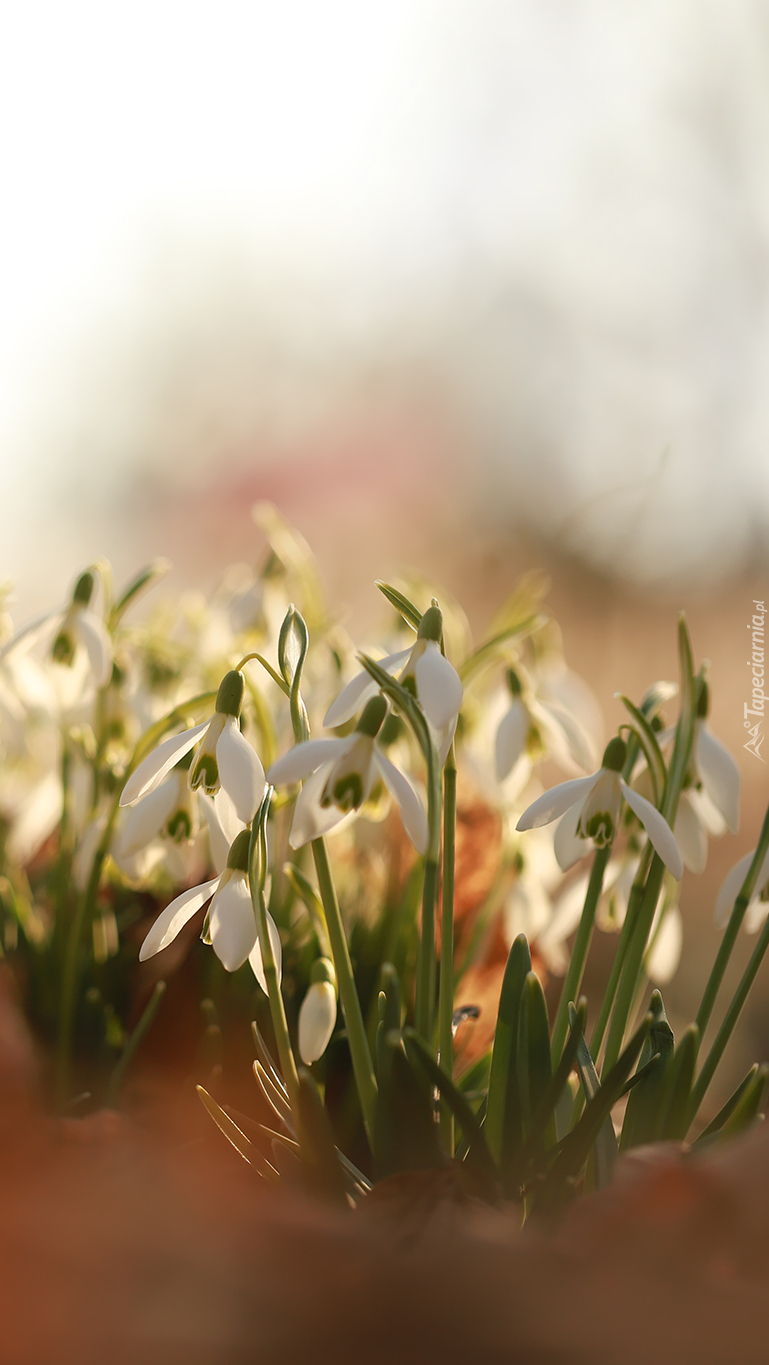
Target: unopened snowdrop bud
(317, 1017)
(81, 626)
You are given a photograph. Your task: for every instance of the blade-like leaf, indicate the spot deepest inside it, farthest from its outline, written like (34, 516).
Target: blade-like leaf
(405, 608)
(323, 1173)
(503, 1112)
(644, 1113)
(478, 1153)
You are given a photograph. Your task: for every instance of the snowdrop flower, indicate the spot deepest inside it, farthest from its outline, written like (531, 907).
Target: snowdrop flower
(231, 927)
(715, 772)
(224, 758)
(596, 803)
(758, 905)
(317, 1016)
(424, 669)
(169, 811)
(341, 774)
(78, 632)
(534, 725)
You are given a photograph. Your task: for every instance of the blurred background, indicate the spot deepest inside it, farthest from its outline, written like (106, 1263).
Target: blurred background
(460, 287)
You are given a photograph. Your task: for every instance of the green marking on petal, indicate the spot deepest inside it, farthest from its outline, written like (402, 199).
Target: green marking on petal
(348, 792)
(205, 773)
(600, 828)
(64, 649)
(179, 827)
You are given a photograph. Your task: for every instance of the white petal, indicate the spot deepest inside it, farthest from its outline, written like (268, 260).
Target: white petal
(175, 916)
(720, 776)
(510, 742)
(97, 644)
(153, 769)
(231, 922)
(36, 818)
(223, 826)
(317, 1019)
(360, 689)
(569, 846)
(568, 913)
(732, 885)
(557, 801)
(411, 808)
(305, 758)
(311, 820)
(663, 958)
(572, 746)
(240, 770)
(755, 915)
(657, 828)
(444, 739)
(142, 822)
(690, 836)
(255, 956)
(439, 686)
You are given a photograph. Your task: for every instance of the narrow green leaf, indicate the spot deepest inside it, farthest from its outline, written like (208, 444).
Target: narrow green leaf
(714, 1127)
(545, 1113)
(131, 1047)
(535, 1070)
(411, 614)
(644, 1115)
(323, 1173)
(235, 1135)
(678, 1085)
(605, 1150)
(648, 741)
(478, 1153)
(407, 1136)
(750, 1104)
(503, 1115)
(152, 574)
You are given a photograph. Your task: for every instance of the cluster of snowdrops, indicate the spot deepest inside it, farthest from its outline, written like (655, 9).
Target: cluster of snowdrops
(244, 761)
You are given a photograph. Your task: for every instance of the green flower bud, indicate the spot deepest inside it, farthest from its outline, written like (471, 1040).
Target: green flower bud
(229, 698)
(614, 756)
(83, 589)
(323, 970)
(237, 858)
(431, 625)
(703, 701)
(373, 716)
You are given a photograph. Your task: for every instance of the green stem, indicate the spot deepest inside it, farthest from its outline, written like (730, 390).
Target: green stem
(348, 995)
(732, 929)
(129, 1051)
(573, 979)
(730, 1019)
(637, 939)
(446, 986)
(626, 932)
(274, 994)
(425, 994)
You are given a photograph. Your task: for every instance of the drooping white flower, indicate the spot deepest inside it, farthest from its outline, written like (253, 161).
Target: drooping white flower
(714, 769)
(232, 928)
(170, 810)
(225, 759)
(758, 905)
(544, 727)
(317, 1016)
(425, 669)
(76, 631)
(341, 774)
(594, 804)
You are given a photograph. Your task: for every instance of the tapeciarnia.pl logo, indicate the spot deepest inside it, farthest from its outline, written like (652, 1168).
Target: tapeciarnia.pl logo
(758, 697)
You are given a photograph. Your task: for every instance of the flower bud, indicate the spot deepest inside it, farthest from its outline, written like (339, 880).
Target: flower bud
(317, 1019)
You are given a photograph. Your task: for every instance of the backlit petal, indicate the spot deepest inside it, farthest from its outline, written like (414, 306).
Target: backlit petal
(690, 836)
(143, 821)
(510, 741)
(657, 828)
(231, 922)
(153, 769)
(411, 808)
(732, 885)
(439, 686)
(311, 820)
(223, 826)
(360, 689)
(240, 770)
(174, 917)
(665, 954)
(557, 801)
(255, 956)
(97, 644)
(305, 758)
(317, 1019)
(720, 776)
(569, 846)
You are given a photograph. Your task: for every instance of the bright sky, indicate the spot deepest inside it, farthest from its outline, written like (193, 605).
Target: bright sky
(568, 205)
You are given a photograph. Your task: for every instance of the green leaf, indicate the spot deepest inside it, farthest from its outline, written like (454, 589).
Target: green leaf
(154, 571)
(478, 1153)
(678, 1085)
(648, 741)
(543, 1121)
(131, 1047)
(644, 1115)
(533, 1049)
(235, 1135)
(715, 1126)
(323, 1173)
(750, 1104)
(605, 1150)
(405, 1134)
(405, 608)
(493, 649)
(503, 1110)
